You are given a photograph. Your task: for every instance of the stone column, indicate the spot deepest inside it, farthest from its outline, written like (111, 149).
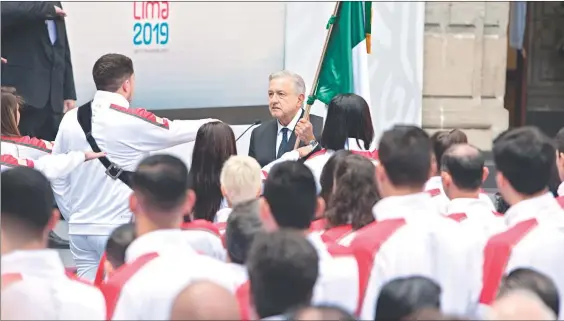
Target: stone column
(464, 68)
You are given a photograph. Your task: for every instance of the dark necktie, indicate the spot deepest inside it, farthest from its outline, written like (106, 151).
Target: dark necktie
(283, 143)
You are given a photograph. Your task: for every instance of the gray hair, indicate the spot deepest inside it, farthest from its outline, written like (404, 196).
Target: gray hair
(299, 83)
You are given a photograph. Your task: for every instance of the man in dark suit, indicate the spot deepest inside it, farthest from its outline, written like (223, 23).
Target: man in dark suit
(286, 95)
(35, 45)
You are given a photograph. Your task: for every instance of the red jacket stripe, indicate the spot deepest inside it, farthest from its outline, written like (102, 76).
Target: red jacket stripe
(99, 279)
(434, 192)
(112, 288)
(143, 114)
(10, 278)
(11, 161)
(336, 233)
(31, 142)
(202, 225)
(459, 217)
(496, 256)
(318, 225)
(243, 295)
(365, 248)
(560, 200)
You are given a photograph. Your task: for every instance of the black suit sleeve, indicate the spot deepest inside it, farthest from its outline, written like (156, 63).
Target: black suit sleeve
(68, 81)
(19, 12)
(252, 146)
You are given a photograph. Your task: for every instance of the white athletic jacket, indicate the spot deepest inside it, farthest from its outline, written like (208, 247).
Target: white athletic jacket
(96, 203)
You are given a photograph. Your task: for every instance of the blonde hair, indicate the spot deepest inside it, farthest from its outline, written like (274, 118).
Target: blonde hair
(240, 179)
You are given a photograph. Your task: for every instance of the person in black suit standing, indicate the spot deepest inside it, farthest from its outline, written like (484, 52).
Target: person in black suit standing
(286, 96)
(35, 45)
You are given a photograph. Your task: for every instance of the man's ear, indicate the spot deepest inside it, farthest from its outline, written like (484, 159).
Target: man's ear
(223, 191)
(266, 215)
(320, 208)
(189, 202)
(55, 217)
(485, 174)
(301, 98)
(133, 203)
(446, 178)
(500, 180)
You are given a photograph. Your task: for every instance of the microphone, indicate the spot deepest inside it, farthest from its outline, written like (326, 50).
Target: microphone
(256, 122)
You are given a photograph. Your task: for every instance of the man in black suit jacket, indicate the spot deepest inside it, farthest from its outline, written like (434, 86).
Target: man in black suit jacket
(286, 95)
(35, 45)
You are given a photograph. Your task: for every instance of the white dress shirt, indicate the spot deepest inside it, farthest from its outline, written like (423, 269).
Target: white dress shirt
(52, 30)
(291, 126)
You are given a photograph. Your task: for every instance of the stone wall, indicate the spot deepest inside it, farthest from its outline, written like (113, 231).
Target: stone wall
(464, 68)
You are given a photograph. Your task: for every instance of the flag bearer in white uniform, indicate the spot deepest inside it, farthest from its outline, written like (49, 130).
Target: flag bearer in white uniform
(410, 237)
(462, 174)
(159, 262)
(290, 201)
(534, 236)
(96, 202)
(27, 218)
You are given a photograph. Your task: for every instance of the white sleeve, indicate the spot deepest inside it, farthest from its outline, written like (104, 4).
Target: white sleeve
(293, 155)
(61, 185)
(54, 166)
(146, 132)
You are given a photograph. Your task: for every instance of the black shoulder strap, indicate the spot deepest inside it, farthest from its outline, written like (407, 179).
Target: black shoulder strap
(84, 115)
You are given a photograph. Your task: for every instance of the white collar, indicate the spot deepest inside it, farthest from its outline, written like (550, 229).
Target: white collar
(405, 206)
(159, 241)
(463, 205)
(320, 247)
(541, 207)
(560, 190)
(112, 98)
(292, 124)
(434, 182)
(353, 144)
(38, 263)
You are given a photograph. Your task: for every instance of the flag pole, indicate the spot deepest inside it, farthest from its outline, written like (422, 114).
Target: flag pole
(319, 65)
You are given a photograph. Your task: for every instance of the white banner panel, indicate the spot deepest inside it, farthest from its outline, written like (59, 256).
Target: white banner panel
(185, 54)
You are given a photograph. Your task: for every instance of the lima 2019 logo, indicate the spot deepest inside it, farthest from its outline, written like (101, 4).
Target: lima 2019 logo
(151, 29)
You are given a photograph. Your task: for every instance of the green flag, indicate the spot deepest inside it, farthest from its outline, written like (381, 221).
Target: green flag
(344, 68)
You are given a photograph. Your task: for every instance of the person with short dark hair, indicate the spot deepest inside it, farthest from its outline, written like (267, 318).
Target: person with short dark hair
(118, 242)
(160, 262)
(243, 225)
(355, 193)
(524, 158)
(409, 227)
(348, 125)
(463, 172)
(441, 142)
(290, 201)
(401, 297)
(534, 281)
(126, 134)
(27, 218)
(283, 269)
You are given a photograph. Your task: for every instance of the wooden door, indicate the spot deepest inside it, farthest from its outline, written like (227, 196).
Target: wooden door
(545, 66)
